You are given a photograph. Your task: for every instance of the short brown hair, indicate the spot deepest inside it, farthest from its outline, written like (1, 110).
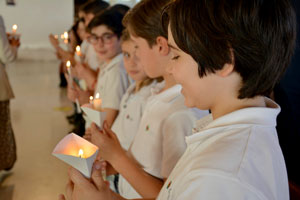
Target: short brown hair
(110, 18)
(258, 34)
(125, 36)
(144, 20)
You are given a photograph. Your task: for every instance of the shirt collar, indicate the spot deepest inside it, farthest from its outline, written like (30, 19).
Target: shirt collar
(264, 116)
(112, 63)
(167, 95)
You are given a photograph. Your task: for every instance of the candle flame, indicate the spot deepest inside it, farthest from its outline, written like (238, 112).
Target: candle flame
(66, 35)
(78, 49)
(56, 36)
(91, 98)
(15, 27)
(62, 36)
(80, 153)
(97, 96)
(68, 64)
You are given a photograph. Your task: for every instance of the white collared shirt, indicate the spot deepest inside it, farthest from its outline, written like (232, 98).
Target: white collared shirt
(236, 156)
(112, 83)
(91, 57)
(131, 110)
(160, 142)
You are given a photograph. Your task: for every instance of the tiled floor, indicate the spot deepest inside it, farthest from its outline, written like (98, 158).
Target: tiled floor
(38, 117)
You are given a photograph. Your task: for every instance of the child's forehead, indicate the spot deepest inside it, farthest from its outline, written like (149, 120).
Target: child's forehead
(127, 44)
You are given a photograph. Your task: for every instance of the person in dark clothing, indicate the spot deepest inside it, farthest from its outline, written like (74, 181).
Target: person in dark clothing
(287, 95)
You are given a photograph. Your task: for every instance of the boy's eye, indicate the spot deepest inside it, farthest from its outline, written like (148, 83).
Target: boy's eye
(175, 57)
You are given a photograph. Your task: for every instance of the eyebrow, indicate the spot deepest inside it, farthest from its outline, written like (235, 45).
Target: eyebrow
(172, 47)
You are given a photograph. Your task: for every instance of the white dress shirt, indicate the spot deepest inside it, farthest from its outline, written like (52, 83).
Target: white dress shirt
(236, 156)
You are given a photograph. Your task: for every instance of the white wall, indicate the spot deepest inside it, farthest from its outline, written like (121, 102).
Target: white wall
(37, 18)
(129, 3)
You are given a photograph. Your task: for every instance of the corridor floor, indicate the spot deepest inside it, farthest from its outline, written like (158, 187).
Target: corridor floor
(39, 121)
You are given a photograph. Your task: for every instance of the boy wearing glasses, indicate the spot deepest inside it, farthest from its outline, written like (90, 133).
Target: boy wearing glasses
(112, 81)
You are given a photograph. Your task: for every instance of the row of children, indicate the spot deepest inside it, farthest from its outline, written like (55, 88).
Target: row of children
(223, 56)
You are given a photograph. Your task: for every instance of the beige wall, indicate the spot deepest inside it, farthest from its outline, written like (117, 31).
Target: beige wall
(37, 18)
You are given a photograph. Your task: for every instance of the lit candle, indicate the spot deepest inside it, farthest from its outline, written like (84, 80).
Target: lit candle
(14, 28)
(68, 64)
(80, 153)
(97, 102)
(78, 50)
(91, 100)
(66, 37)
(56, 36)
(62, 36)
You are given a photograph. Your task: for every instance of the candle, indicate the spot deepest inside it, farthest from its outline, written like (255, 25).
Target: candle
(14, 28)
(97, 102)
(66, 37)
(78, 50)
(91, 100)
(80, 153)
(62, 36)
(68, 64)
(77, 152)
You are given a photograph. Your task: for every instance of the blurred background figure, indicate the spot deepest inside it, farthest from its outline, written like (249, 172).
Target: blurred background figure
(8, 53)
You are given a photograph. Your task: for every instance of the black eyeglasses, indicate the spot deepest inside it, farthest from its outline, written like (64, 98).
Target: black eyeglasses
(106, 38)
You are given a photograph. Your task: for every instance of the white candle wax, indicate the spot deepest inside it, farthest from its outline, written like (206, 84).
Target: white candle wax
(97, 102)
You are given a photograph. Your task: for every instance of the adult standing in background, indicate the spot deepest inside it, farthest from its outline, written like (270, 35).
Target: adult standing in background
(8, 53)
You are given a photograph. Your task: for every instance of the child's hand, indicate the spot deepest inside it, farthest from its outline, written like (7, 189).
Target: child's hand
(85, 72)
(72, 93)
(83, 96)
(88, 134)
(80, 70)
(109, 146)
(54, 42)
(80, 188)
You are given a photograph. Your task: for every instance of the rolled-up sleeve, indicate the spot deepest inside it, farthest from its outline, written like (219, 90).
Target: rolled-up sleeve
(7, 54)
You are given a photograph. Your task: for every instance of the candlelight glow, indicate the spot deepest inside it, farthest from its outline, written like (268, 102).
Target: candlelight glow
(91, 98)
(14, 28)
(97, 96)
(66, 35)
(80, 153)
(78, 49)
(68, 64)
(56, 36)
(62, 36)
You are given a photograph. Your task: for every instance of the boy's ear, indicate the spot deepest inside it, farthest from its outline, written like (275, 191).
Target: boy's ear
(163, 46)
(226, 70)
